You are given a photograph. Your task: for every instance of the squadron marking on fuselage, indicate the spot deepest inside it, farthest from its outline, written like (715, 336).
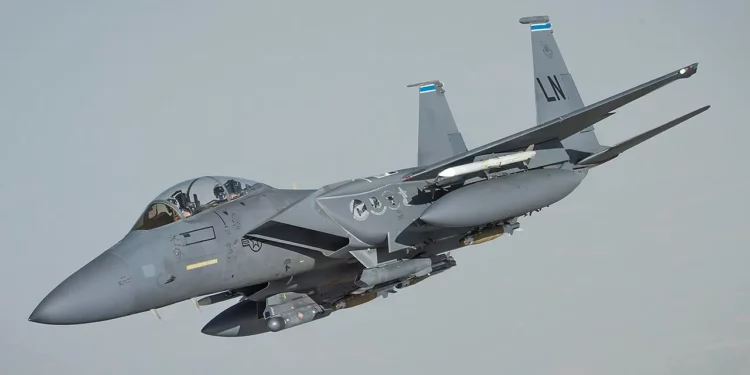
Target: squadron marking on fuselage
(360, 210)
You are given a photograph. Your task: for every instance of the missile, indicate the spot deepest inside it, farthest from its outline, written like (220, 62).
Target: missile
(487, 164)
(410, 267)
(380, 275)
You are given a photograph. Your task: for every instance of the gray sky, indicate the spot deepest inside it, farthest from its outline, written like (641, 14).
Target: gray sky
(643, 270)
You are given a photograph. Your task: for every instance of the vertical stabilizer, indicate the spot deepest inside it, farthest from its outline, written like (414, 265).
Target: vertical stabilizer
(555, 90)
(439, 137)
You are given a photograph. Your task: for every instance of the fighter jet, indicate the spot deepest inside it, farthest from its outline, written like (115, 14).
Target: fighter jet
(293, 256)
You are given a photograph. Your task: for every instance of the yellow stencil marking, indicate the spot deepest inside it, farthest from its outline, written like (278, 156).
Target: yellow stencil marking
(201, 264)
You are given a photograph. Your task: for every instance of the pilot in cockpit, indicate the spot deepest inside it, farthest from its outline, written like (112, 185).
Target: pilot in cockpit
(158, 215)
(234, 187)
(185, 212)
(181, 200)
(220, 193)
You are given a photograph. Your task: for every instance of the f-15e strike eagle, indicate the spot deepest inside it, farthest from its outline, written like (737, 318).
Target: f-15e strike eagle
(294, 256)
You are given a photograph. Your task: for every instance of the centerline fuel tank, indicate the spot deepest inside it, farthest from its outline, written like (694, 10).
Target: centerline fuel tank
(502, 198)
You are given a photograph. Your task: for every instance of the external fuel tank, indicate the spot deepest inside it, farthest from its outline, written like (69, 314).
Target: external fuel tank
(502, 198)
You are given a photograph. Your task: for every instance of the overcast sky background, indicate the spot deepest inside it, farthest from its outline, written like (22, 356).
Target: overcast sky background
(642, 270)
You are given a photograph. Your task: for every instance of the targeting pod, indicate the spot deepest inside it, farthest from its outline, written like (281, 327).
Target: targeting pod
(299, 310)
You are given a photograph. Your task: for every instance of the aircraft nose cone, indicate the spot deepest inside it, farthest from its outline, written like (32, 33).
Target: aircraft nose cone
(101, 290)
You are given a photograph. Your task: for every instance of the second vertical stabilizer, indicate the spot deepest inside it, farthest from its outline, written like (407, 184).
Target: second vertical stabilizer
(439, 137)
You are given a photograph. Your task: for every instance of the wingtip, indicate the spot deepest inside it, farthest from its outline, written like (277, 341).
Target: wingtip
(689, 70)
(704, 108)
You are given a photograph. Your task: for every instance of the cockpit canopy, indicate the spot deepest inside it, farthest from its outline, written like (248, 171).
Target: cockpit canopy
(191, 197)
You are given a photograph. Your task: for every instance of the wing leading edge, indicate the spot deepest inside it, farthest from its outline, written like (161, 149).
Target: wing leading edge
(561, 127)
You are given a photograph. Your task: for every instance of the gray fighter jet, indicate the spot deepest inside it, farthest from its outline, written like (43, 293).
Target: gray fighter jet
(294, 256)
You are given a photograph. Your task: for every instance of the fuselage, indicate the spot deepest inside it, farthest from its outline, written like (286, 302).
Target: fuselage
(266, 237)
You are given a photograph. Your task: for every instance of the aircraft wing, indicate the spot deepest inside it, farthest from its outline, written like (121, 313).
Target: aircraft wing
(614, 151)
(558, 128)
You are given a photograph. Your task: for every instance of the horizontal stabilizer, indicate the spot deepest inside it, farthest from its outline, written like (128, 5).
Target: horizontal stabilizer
(558, 128)
(614, 151)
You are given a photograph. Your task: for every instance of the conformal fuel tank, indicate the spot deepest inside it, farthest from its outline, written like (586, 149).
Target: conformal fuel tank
(502, 198)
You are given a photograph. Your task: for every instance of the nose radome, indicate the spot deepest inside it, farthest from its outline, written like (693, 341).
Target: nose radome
(101, 290)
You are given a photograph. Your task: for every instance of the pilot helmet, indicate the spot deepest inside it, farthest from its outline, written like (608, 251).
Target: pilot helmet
(182, 199)
(219, 192)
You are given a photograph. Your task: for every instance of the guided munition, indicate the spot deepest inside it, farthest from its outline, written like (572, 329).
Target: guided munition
(487, 164)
